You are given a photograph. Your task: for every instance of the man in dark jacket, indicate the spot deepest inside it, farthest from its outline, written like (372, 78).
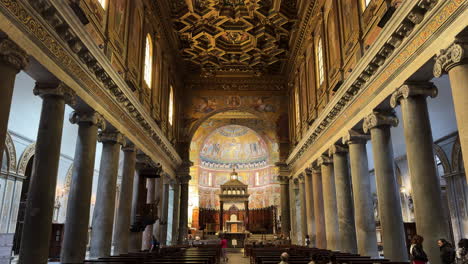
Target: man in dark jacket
(447, 253)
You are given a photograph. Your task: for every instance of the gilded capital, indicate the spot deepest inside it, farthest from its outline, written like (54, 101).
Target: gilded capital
(454, 55)
(334, 149)
(354, 137)
(92, 118)
(301, 178)
(184, 179)
(377, 119)
(409, 89)
(12, 54)
(308, 171)
(111, 137)
(315, 168)
(57, 90)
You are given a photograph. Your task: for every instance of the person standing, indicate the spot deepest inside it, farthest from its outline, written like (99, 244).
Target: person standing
(447, 253)
(224, 249)
(462, 251)
(307, 241)
(417, 254)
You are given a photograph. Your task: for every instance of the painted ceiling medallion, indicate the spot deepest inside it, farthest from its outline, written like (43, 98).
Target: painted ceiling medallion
(234, 36)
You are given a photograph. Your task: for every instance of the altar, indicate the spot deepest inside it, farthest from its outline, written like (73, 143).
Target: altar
(234, 193)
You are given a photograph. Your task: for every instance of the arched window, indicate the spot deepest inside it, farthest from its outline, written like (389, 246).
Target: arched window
(257, 179)
(296, 106)
(102, 3)
(210, 182)
(320, 66)
(148, 60)
(170, 114)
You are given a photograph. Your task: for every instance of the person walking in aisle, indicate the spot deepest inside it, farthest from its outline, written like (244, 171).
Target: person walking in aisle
(447, 253)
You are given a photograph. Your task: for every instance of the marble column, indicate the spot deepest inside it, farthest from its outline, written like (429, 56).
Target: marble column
(175, 215)
(136, 233)
(41, 196)
(454, 61)
(283, 179)
(296, 216)
(184, 178)
(302, 197)
(221, 216)
(344, 198)
(150, 198)
(103, 216)
(12, 60)
(363, 201)
(425, 183)
(122, 224)
(79, 200)
(165, 207)
(309, 194)
(388, 192)
(319, 213)
(329, 202)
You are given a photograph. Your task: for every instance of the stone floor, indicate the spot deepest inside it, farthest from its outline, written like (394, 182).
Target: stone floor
(236, 256)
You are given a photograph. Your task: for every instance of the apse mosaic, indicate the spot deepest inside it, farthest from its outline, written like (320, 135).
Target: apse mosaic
(233, 145)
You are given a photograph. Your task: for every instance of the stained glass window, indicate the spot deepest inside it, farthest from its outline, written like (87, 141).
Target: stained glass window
(148, 60)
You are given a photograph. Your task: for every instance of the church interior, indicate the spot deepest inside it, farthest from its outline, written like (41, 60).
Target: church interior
(233, 131)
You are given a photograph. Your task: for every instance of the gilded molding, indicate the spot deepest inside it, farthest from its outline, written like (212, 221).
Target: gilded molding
(58, 90)
(10, 147)
(111, 137)
(377, 119)
(12, 54)
(410, 89)
(84, 67)
(451, 57)
(93, 118)
(351, 89)
(28, 153)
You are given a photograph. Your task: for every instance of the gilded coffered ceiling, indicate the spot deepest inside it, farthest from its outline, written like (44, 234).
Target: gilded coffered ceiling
(218, 37)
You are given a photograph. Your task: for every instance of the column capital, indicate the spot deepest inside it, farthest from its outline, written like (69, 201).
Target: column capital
(355, 137)
(378, 119)
(456, 54)
(337, 148)
(283, 179)
(56, 89)
(308, 171)
(324, 160)
(93, 118)
(315, 168)
(12, 54)
(129, 147)
(114, 137)
(184, 179)
(409, 89)
(301, 178)
(296, 183)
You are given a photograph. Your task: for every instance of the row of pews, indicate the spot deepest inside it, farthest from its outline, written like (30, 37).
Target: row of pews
(170, 255)
(304, 255)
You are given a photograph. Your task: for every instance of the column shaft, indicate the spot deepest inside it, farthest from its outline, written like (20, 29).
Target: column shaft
(138, 198)
(122, 225)
(311, 229)
(12, 60)
(103, 216)
(425, 183)
(79, 199)
(388, 193)
(347, 231)
(330, 206)
(221, 212)
(363, 202)
(150, 198)
(39, 209)
(175, 215)
(165, 207)
(285, 206)
(302, 197)
(183, 220)
(319, 214)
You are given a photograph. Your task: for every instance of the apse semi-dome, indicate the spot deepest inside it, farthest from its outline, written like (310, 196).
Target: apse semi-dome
(233, 145)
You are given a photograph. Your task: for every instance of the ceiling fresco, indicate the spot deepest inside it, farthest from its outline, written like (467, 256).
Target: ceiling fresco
(234, 36)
